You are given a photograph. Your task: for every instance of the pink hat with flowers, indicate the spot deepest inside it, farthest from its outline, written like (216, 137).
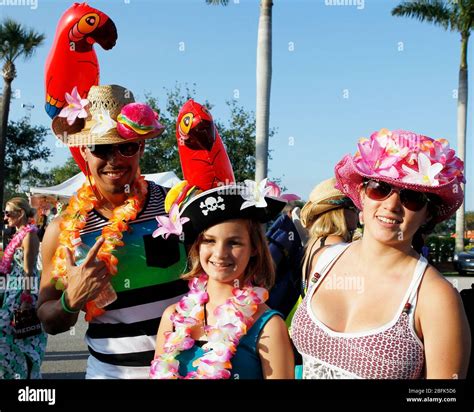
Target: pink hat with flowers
(406, 160)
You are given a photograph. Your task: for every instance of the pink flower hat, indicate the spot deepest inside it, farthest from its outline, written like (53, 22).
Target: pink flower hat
(406, 160)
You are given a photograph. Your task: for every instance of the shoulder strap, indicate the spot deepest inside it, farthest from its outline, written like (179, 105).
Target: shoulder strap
(336, 250)
(328, 258)
(307, 264)
(420, 269)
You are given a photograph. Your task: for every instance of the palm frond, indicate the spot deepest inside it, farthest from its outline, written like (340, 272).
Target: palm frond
(217, 2)
(16, 40)
(432, 11)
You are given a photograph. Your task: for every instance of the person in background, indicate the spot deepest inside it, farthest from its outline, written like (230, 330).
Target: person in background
(20, 358)
(286, 240)
(330, 217)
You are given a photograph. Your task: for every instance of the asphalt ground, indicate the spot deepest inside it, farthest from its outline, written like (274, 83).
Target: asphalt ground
(66, 353)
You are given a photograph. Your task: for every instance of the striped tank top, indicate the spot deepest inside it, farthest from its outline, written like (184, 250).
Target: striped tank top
(391, 351)
(121, 342)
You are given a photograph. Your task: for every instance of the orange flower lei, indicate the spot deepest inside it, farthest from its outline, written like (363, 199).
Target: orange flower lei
(74, 219)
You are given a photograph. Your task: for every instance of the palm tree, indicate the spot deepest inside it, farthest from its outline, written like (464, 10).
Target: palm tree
(455, 16)
(15, 41)
(264, 79)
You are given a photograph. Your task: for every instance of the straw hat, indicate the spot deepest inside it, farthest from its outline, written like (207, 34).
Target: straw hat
(323, 198)
(406, 160)
(112, 117)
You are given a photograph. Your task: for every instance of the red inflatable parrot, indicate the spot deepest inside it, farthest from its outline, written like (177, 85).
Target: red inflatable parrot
(203, 157)
(72, 61)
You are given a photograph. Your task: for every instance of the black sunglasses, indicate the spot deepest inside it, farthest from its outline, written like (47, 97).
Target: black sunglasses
(9, 213)
(103, 151)
(410, 199)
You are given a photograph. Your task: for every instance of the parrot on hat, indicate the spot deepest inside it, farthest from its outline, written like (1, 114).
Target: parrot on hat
(203, 157)
(72, 60)
(204, 160)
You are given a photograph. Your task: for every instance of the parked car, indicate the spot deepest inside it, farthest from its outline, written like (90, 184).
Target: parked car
(464, 262)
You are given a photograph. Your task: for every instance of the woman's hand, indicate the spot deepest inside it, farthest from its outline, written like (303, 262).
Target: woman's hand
(86, 280)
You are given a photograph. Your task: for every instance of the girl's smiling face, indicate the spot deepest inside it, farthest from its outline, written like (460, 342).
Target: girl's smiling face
(225, 250)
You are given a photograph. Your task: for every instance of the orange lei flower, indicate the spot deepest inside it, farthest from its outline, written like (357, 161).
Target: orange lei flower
(74, 219)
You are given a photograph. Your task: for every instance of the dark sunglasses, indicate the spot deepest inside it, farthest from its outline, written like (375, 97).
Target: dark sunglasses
(103, 151)
(9, 213)
(410, 199)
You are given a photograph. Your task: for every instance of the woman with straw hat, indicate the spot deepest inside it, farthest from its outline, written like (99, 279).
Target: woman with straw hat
(375, 308)
(330, 217)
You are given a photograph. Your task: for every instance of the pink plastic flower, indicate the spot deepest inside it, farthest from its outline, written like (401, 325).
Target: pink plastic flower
(453, 166)
(172, 225)
(375, 160)
(75, 108)
(275, 191)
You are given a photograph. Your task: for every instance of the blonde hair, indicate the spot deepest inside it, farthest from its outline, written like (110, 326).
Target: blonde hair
(20, 203)
(332, 222)
(260, 270)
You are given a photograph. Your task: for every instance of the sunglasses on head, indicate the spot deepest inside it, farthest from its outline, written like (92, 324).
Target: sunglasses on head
(411, 199)
(102, 151)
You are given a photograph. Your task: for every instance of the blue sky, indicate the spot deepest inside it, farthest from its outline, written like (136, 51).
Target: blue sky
(339, 72)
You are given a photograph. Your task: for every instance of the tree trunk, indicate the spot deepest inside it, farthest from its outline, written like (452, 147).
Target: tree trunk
(264, 78)
(462, 120)
(8, 76)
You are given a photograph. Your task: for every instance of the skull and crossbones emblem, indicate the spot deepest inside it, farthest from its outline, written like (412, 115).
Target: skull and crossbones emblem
(211, 204)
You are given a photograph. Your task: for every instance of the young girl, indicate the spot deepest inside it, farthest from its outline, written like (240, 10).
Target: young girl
(222, 328)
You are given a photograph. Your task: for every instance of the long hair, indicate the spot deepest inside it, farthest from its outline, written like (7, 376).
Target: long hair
(260, 270)
(332, 222)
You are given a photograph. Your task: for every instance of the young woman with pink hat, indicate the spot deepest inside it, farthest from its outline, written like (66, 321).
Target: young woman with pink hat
(375, 308)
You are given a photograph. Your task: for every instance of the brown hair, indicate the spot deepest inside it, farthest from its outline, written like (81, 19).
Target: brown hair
(20, 203)
(260, 270)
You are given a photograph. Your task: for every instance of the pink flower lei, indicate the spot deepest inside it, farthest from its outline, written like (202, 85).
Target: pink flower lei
(233, 319)
(7, 259)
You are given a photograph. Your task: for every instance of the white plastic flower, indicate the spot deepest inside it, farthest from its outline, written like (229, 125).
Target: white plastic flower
(254, 194)
(102, 123)
(426, 174)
